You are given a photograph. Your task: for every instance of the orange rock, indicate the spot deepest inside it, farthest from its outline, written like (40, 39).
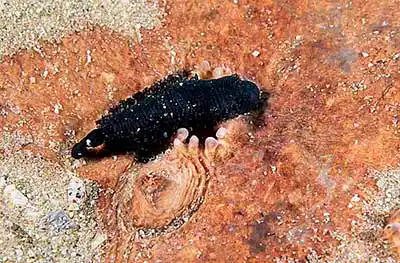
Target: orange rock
(392, 231)
(322, 130)
(162, 195)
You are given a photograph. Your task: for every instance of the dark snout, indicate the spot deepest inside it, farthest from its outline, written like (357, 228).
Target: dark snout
(79, 150)
(93, 139)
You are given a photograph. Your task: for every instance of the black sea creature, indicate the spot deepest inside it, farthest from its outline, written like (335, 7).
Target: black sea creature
(145, 122)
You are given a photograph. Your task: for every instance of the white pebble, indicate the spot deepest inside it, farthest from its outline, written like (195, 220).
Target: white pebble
(256, 53)
(76, 191)
(57, 107)
(14, 197)
(364, 54)
(98, 240)
(355, 198)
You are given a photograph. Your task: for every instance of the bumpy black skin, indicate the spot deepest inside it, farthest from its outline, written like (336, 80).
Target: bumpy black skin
(145, 122)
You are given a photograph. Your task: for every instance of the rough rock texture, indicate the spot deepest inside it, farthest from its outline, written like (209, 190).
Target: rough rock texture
(300, 186)
(37, 222)
(158, 198)
(29, 23)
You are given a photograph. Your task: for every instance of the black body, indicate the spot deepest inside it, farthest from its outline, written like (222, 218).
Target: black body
(145, 122)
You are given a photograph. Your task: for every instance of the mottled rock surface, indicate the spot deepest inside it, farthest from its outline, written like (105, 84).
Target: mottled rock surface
(311, 183)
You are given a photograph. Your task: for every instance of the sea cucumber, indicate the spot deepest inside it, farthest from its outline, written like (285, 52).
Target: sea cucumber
(145, 122)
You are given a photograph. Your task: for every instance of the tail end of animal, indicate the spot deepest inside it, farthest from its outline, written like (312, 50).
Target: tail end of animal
(254, 96)
(93, 139)
(258, 100)
(252, 92)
